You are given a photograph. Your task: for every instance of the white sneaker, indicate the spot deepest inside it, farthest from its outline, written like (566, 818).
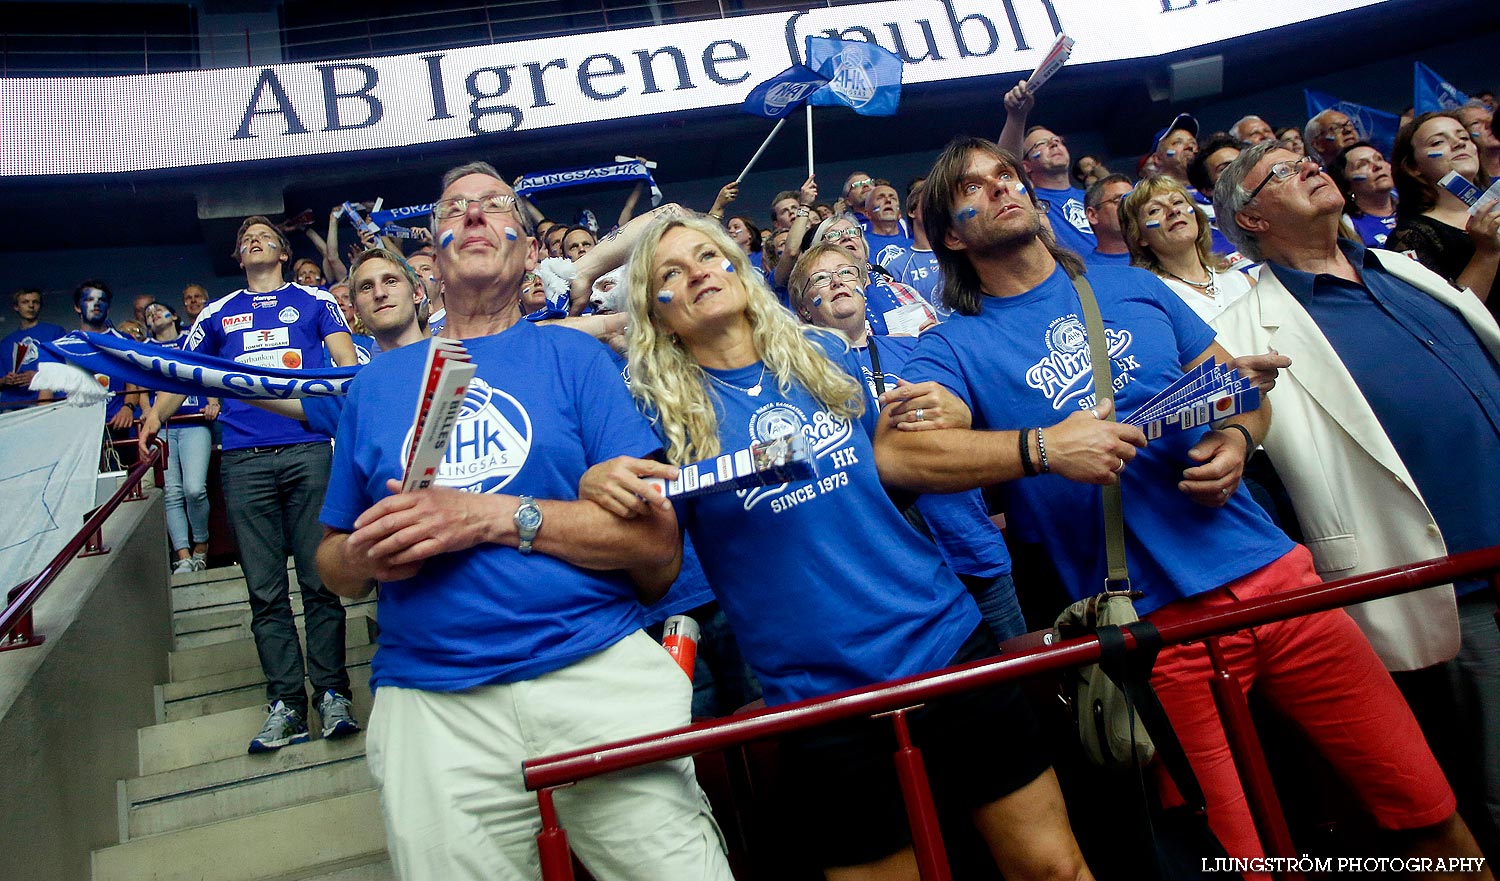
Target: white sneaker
(184, 566)
(200, 562)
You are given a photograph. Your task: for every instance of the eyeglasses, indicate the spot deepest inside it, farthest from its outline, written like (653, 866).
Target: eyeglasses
(1280, 171)
(845, 274)
(1053, 141)
(489, 203)
(1346, 127)
(834, 236)
(862, 182)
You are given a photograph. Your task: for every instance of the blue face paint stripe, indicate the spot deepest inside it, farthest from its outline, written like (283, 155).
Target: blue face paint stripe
(664, 296)
(446, 239)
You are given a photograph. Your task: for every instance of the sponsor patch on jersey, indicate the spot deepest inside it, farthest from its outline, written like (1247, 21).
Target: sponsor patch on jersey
(276, 337)
(290, 359)
(289, 315)
(231, 323)
(265, 302)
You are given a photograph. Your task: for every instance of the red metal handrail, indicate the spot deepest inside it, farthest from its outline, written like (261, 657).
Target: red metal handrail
(549, 772)
(15, 622)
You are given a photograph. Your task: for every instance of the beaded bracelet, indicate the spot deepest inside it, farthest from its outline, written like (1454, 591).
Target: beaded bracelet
(1041, 447)
(1027, 468)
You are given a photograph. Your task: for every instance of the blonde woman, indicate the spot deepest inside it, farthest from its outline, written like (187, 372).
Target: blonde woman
(826, 586)
(1169, 235)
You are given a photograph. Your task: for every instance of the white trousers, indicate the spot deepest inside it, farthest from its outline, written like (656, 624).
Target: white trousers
(449, 768)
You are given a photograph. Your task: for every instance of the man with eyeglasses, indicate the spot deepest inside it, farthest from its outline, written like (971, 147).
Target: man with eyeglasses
(274, 470)
(1045, 158)
(1386, 438)
(1328, 133)
(510, 628)
(1102, 204)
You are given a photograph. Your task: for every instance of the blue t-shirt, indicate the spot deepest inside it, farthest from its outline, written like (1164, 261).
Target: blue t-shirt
(1373, 230)
(282, 328)
(1069, 222)
(545, 405)
(1024, 361)
(21, 349)
(960, 522)
(437, 321)
(364, 349)
(919, 270)
(885, 250)
(826, 586)
(1096, 258)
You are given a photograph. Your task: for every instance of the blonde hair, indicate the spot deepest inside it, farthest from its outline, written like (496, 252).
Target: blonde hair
(1131, 229)
(674, 388)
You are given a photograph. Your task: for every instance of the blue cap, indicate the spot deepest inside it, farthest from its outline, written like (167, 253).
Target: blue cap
(1182, 121)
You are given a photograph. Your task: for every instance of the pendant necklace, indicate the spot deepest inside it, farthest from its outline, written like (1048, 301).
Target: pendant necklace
(1209, 289)
(753, 391)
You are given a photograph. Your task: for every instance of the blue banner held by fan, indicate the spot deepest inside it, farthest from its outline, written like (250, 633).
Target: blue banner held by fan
(1375, 126)
(861, 76)
(1432, 93)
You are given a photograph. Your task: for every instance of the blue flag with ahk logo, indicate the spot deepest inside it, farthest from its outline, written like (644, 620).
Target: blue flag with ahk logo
(1432, 92)
(784, 92)
(861, 76)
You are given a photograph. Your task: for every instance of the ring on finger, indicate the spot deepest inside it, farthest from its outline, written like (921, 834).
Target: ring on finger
(920, 415)
(1120, 469)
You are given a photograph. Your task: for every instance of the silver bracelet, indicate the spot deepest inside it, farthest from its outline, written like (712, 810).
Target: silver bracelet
(1041, 448)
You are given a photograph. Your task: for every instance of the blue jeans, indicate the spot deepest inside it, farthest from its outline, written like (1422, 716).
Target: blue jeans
(996, 598)
(188, 451)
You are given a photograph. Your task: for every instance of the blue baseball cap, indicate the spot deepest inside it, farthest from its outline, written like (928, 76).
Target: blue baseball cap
(1182, 121)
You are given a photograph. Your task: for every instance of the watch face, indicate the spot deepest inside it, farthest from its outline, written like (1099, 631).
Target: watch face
(528, 517)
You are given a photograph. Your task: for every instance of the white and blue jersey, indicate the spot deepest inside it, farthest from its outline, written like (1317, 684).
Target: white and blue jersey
(1373, 230)
(284, 328)
(918, 270)
(545, 405)
(1070, 225)
(21, 349)
(1024, 361)
(886, 250)
(827, 587)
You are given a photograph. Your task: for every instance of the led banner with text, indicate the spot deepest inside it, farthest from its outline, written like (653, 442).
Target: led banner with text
(132, 123)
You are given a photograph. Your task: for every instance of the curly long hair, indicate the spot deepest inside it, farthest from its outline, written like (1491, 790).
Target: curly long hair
(672, 386)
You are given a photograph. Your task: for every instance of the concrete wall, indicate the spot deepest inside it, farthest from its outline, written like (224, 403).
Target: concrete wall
(69, 709)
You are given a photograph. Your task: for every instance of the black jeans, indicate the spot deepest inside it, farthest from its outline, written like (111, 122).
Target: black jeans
(273, 496)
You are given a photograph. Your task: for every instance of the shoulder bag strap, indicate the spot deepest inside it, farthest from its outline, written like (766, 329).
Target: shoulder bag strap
(1104, 390)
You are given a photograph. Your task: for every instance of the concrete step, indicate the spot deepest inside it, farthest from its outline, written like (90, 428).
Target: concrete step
(238, 689)
(215, 592)
(295, 842)
(240, 654)
(195, 741)
(243, 785)
(199, 627)
(381, 871)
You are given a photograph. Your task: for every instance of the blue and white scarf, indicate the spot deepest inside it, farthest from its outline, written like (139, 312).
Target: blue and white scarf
(619, 172)
(177, 371)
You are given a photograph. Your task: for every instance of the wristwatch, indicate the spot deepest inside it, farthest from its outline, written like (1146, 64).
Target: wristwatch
(528, 523)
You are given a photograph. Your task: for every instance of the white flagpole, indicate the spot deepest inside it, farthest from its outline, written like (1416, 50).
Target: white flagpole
(763, 145)
(809, 141)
